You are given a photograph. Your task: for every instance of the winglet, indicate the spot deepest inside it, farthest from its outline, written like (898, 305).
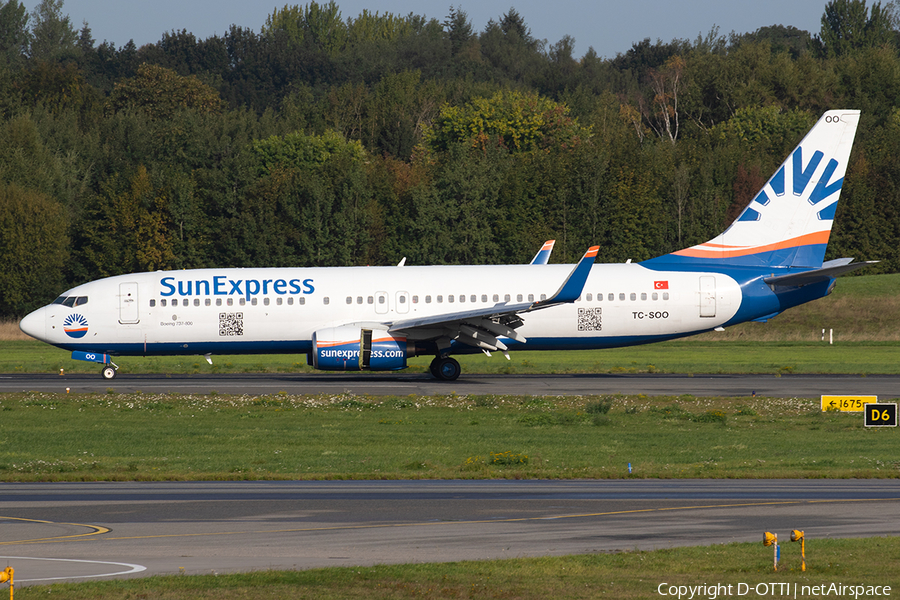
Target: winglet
(543, 255)
(572, 287)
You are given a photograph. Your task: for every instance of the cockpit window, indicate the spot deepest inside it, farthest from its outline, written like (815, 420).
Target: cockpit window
(71, 301)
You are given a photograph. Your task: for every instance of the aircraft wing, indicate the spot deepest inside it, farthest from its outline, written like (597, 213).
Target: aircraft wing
(543, 255)
(483, 326)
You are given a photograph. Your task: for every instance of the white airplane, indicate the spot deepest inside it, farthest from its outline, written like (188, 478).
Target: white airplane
(376, 318)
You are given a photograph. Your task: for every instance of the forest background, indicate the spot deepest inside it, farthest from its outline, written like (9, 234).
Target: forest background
(322, 140)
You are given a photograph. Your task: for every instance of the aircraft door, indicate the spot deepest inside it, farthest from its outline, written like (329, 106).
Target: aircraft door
(402, 304)
(128, 304)
(381, 302)
(707, 296)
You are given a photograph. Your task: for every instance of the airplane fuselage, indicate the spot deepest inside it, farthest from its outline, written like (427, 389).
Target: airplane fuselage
(237, 311)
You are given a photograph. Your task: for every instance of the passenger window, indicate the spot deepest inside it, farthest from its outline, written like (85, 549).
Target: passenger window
(349, 299)
(326, 300)
(427, 299)
(243, 301)
(588, 297)
(531, 297)
(207, 302)
(290, 301)
(301, 300)
(462, 297)
(496, 297)
(506, 297)
(230, 301)
(266, 301)
(370, 300)
(440, 299)
(655, 296)
(450, 298)
(474, 298)
(162, 302)
(665, 295)
(196, 301)
(278, 301)
(415, 299)
(359, 300)
(218, 302)
(543, 296)
(600, 297)
(518, 297)
(152, 303)
(633, 296)
(381, 299)
(402, 299)
(611, 297)
(643, 295)
(621, 297)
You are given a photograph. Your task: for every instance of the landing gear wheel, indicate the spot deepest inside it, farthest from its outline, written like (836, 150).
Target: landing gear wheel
(433, 367)
(447, 369)
(108, 372)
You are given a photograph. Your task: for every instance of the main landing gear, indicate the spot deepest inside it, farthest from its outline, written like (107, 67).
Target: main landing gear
(445, 368)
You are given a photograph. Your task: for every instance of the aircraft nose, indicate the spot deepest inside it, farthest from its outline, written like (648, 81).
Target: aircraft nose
(35, 324)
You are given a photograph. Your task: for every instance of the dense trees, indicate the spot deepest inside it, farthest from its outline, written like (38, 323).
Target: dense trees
(325, 139)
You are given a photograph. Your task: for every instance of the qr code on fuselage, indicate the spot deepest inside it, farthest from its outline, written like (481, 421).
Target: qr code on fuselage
(231, 323)
(589, 319)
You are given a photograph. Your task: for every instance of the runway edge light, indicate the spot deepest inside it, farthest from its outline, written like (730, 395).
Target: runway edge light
(797, 536)
(771, 539)
(6, 575)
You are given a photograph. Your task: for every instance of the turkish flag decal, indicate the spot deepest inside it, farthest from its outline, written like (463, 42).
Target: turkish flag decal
(660, 285)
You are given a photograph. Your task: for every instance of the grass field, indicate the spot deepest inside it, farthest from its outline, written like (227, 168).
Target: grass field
(50, 437)
(747, 568)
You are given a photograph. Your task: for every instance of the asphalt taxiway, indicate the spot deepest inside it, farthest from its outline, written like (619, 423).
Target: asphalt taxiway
(807, 386)
(53, 531)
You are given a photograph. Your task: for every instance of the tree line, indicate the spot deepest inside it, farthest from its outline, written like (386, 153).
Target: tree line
(322, 140)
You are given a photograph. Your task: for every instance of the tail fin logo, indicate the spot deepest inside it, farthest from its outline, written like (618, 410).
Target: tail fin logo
(789, 221)
(801, 177)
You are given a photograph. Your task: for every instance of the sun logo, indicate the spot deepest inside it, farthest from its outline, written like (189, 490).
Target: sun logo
(75, 326)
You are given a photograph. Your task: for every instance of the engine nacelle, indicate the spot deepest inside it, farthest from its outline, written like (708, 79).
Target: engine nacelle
(358, 349)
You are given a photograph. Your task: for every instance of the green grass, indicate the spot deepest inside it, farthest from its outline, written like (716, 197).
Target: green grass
(173, 437)
(624, 576)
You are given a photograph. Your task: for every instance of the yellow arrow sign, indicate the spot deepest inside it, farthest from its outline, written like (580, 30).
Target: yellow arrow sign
(847, 403)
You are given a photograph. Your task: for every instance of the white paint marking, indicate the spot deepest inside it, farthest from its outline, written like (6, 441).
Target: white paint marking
(134, 568)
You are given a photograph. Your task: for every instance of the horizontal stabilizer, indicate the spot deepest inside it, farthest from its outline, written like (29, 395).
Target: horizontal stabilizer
(830, 269)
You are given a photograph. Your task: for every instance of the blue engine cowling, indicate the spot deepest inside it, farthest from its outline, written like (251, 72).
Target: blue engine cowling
(358, 349)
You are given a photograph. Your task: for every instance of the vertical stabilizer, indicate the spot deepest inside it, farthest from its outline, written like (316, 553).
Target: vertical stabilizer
(788, 222)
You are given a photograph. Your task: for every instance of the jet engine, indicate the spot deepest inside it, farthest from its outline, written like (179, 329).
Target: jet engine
(351, 348)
